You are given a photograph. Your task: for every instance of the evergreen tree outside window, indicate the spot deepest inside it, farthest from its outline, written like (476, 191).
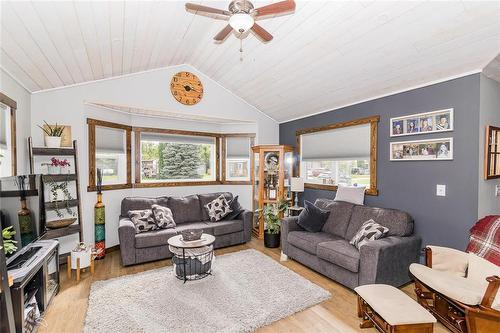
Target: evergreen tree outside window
(177, 158)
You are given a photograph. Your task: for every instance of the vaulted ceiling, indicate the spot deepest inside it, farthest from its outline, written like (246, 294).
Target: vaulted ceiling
(326, 55)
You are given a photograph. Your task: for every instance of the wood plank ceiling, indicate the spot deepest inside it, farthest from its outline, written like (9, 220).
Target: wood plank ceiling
(326, 55)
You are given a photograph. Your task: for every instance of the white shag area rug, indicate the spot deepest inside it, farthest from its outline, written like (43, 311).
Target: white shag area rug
(247, 290)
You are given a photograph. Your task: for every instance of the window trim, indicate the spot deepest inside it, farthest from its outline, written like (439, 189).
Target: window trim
(137, 133)
(91, 124)
(12, 104)
(373, 121)
(223, 137)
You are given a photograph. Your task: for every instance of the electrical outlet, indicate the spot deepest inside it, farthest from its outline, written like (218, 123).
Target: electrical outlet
(441, 190)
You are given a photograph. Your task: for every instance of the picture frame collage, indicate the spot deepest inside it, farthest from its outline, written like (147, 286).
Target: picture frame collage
(422, 123)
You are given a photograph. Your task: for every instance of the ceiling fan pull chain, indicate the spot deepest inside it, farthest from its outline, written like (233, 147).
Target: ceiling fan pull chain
(241, 49)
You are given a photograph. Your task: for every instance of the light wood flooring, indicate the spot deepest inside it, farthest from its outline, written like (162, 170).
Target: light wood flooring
(336, 315)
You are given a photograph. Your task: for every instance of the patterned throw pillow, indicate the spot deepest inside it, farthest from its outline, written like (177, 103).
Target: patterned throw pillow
(143, 220)
(163, 217)
(218, 208)
(369, 231)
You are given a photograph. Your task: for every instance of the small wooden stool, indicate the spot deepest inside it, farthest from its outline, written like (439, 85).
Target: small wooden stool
(390, 310)
(78, 269)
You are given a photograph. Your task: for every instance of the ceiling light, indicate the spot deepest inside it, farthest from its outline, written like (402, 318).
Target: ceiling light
(241, 22)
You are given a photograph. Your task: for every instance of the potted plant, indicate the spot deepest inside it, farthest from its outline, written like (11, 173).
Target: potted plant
(272, 219)
(8, 240)
(54, 133)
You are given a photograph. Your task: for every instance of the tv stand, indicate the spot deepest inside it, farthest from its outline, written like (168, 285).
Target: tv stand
(36, 280)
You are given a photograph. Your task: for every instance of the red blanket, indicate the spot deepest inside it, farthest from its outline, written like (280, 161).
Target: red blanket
(485, 239)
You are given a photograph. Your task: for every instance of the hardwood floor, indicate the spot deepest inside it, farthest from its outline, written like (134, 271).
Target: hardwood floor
(336, 315)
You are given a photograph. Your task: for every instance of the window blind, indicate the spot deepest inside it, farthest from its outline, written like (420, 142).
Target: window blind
(237, 147)
(345, 143)
(109, 140)
(192, 139)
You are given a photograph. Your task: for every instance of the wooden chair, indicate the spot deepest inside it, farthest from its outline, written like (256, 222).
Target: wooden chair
(469, 311)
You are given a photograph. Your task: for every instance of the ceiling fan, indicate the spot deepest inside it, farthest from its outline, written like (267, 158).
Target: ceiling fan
(242, 16)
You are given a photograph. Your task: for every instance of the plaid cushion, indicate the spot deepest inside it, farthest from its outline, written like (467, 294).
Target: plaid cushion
(485, 239)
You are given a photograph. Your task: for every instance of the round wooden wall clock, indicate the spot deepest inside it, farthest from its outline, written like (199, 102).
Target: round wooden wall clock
(186, 88)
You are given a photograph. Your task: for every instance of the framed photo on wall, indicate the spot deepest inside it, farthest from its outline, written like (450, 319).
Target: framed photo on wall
(422, 123)
(422, 150)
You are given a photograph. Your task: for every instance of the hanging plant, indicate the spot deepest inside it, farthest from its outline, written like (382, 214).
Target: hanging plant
(55, 187)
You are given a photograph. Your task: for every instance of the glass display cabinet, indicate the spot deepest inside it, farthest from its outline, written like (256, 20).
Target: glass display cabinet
(273, 169)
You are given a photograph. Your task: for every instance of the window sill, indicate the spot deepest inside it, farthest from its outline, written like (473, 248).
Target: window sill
(109, 187)
(172, 184)
(334, 188)
(236, 182)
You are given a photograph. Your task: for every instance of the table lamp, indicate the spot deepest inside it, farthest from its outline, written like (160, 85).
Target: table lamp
(297, 185)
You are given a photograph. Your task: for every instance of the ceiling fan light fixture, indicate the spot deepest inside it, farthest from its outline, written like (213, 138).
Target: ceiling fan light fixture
(241, 22)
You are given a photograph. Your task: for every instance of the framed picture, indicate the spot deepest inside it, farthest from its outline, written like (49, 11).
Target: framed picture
(422, 123)
(422, 150)
(66, 140)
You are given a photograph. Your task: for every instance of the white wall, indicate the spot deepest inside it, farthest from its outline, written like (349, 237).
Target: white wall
(145, 90)
(489, 114)
(14, 90)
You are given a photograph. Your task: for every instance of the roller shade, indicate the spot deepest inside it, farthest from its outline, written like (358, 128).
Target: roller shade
(109, 140)
(192, 139)
(338, 144)
(237, 147)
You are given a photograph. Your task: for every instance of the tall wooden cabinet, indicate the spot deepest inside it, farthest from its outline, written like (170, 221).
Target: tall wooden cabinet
(273, 169)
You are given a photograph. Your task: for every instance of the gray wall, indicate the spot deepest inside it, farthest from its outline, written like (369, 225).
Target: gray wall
(488, 204)
(411, 186)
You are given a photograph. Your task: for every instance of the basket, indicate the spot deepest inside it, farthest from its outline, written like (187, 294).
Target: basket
(56, 224)
(191, 234)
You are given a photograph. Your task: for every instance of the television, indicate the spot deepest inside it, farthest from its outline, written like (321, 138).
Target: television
(21, 203)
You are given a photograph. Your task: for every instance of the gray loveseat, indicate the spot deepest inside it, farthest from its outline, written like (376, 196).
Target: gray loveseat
(189, 213)
(328, 252)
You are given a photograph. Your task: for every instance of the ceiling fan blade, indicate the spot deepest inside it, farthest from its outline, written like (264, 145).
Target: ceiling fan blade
(223, 33)
(262, 33)
(204, 9)
(276, 8)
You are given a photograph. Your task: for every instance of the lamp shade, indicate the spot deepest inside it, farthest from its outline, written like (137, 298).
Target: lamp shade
(297, 184)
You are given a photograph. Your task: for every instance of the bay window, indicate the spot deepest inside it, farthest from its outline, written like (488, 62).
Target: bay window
(236, 158)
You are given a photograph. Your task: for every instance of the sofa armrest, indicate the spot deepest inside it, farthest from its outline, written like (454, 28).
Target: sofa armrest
(387, 260)
(247, 217)
(126, 235)
(288, 224)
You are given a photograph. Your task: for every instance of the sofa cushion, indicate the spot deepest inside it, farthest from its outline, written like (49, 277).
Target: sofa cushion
(340, 214)
(308, 241)
(207, 197)
(399, 223)
(154, 238)
(138, 203)
(340, 253)
(236, 208)
(160, 237)
(218, 208)
(455, 287)
(312, 218)
(186, 209)
(164, 218)
(143, 220)
(352, 194)
(480, 269)
(369, 231)
(226, 227)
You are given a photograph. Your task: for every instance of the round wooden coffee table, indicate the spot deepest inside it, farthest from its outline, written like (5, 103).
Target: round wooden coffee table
(192, 259)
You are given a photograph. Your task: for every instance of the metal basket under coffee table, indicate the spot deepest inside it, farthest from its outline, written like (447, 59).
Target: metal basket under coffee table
(192, 259)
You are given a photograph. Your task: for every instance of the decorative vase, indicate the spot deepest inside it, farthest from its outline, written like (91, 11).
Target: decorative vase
(100, 230)
(271, 240)
(25, 224)
(53, 141)
(54, 169)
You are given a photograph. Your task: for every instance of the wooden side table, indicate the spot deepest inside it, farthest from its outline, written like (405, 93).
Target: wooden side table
(295, 210)
(78, 267)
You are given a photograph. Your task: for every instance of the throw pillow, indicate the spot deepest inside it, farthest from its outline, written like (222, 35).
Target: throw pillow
(143, 220)
(235, 207)
(479, 269)
(369, 231)
(163, 217)
(352, 194)
(218, 208)
(312, 218)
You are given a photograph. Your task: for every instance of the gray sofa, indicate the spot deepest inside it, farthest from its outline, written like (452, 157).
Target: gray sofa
(328, 252)
(189, 213)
